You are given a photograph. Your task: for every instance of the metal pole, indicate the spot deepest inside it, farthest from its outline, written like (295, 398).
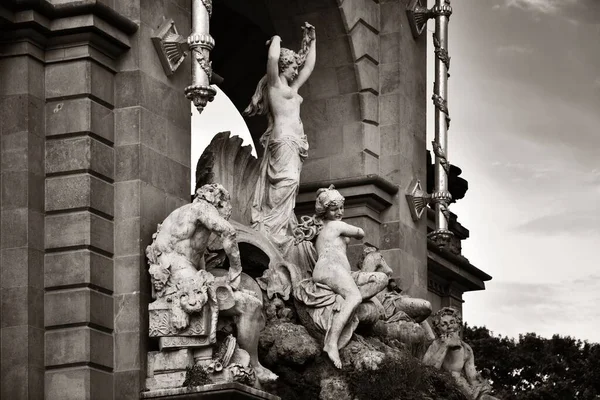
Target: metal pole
(441, 196)
(201, 43)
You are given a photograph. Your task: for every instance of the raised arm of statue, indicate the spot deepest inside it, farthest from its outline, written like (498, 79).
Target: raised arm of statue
(219, 225)
(273, 60)
(436, 354)
(307, 55)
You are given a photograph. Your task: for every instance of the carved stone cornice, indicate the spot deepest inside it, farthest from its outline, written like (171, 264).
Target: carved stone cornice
(51, 26)
(52, 10)
(455, 268)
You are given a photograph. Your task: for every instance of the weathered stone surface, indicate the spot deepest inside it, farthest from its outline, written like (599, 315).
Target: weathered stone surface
(346, 79)
(287, 342)
(323, 83)
(166, 380)
(390, 48)
(79, 115)
(359, 136)
(79, 154)
(129, 350)
(20, 267)
(79, 383)
(390, 77)
(78, 306)
(355, 10)
(78, 345)
(369, 107)
(84, 77)
(351, 165)
(22, 75)
(79, 229)
(22, 113)
(76, 268)
(169, 361)
(79, 191)
(364, 42)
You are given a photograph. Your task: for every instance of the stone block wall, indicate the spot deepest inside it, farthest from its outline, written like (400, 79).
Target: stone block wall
(22, 130)
(95, 153)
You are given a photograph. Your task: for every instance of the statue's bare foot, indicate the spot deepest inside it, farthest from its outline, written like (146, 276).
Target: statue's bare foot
(334, 355)
(264, 375)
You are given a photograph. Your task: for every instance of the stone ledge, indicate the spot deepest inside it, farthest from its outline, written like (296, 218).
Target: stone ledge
(455, 268)
(78, 25)
(54, 10)
(229, 391)
(367, 195)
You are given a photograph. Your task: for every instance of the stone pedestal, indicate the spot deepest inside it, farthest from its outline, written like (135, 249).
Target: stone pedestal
(224, 391)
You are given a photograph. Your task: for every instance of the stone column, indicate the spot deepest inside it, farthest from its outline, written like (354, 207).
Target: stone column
(58, 170)
(152, 175)
(22, 221)
(402, 127)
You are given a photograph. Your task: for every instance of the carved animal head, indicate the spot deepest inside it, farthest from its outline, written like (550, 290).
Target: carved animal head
(373, 261)
(193, 293)
(447, 321)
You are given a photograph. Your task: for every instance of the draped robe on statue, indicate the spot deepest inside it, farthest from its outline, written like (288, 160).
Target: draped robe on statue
(275, 197)
(278, 184)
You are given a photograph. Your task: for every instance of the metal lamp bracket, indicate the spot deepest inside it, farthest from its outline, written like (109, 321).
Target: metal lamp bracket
(417, 198)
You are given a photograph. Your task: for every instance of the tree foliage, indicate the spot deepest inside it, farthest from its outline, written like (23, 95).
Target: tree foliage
(536, 368)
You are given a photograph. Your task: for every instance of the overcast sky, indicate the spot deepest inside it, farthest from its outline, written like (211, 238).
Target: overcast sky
(524, 97)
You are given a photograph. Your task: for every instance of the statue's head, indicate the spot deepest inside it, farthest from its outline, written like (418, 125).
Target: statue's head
(447, 321)
(288, 64)
(329, 204)
(216, 195)
(193, 292)
(160, 276)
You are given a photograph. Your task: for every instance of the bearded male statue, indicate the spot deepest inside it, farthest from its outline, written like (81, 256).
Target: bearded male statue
(450, 353)
(179, 278)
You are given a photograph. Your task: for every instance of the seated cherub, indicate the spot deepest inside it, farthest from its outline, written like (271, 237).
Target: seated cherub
(449, 352)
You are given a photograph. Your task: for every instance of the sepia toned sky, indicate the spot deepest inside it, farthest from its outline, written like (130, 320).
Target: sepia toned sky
(524, 97)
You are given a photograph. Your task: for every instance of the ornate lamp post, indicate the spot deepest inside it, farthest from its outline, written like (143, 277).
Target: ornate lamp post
(172, 49)
(417, 198)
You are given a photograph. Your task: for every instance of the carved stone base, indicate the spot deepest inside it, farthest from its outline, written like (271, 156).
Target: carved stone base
(225, 391)
(161, 322)
(175, 342)
(164, 381)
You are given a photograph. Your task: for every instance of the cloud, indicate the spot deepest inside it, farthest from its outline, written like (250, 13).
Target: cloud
(580, 221)
(565, 308)
(576, 11)
(514, 49)
(543, 6)
(597, 83)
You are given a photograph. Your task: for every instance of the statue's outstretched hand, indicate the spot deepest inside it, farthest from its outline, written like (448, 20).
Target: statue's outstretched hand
(309, 30)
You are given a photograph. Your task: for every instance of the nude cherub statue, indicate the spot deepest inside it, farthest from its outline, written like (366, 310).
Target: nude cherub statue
(177, 254)
(450, 353)
(332, 272)
(284, 140)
